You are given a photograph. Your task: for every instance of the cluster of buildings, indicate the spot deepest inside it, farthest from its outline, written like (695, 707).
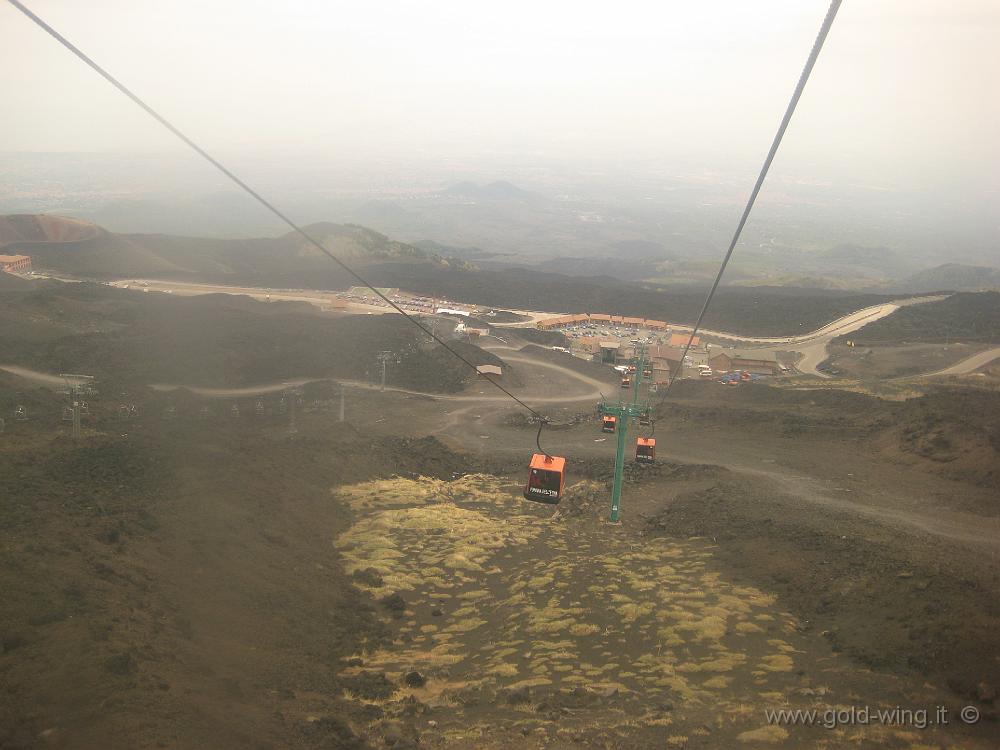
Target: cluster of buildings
(754, 361)
(15, 263)
(664, 360)
(613, 339)
(594, 320)
(409, 302)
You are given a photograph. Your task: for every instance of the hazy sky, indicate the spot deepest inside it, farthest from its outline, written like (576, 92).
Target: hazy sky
(903, 86)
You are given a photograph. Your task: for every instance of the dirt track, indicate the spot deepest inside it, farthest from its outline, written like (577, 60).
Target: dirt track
(839, 327)
(482, 431)
(482, 396)
(968, 365)
(815, 349)
(43, 378)
(473, 427)
(890, 508)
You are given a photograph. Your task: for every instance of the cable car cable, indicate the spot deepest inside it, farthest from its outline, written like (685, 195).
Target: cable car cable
(538, 438)
(800, 86)
(250, 191)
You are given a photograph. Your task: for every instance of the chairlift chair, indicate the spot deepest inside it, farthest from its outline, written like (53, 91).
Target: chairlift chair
(645, 450)
(546, 474)
(545, 478)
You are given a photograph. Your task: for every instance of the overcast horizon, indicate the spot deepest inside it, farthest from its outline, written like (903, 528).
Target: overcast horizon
(902, 90)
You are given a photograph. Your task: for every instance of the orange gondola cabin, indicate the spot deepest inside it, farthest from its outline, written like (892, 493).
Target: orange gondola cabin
(545, 478)
(608, 423)
(645, 450)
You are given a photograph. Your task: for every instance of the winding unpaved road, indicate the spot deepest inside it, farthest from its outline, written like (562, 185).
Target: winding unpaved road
(593, 385)
(42, 378)
(812, 345)
(816, 344)
(470, 421)
(954, 525)
(838, 327)
(967, 365)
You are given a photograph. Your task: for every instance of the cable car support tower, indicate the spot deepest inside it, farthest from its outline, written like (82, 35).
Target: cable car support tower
(625, 412)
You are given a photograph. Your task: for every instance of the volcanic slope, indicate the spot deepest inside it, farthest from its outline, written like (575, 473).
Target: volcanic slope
(74, 247)
(137, 339)
(513, 625)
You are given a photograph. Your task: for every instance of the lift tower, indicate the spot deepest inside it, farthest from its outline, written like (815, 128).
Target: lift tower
(625, 411)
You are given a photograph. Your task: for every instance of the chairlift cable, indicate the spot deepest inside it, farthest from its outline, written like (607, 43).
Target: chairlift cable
(538, 438)
(800, 86)
(250, 191)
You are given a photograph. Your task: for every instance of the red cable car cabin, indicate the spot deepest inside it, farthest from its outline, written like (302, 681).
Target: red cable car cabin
(645, 450)
(609, 422)
(545, 478)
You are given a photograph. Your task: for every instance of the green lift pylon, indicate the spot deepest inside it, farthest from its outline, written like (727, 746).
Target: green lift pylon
(625, 412)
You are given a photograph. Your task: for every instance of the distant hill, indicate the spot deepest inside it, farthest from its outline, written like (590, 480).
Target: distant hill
(82, 249)
(21, 229)
(860, 259)
(617, 268)
(78, 247)
(500, 190)
(288, 261)
(377, 212)
(954, 276)
(966, 316)
(451, 251)
(632, 249)
(627, 260)
(799, 282)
